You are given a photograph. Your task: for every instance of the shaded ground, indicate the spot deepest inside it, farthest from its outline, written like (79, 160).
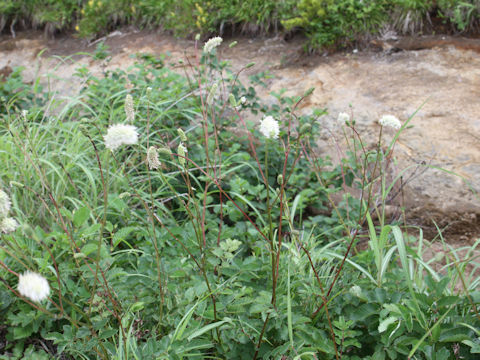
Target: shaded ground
(443, 74)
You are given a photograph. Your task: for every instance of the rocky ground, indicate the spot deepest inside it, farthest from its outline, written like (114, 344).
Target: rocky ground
(440, 80)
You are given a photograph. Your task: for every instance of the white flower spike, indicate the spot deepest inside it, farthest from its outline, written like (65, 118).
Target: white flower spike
(269, 127)
(120, 134)
(8, 225)
(212, 44)
(33, 286)
(4, 204)
(129, 111)
(152, 158)
(343, 118)
(390, 121)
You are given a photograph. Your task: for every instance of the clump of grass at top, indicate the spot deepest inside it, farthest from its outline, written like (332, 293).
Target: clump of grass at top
(326, 23)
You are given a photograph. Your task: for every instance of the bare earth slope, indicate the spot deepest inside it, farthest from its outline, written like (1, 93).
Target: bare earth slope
(445, 132)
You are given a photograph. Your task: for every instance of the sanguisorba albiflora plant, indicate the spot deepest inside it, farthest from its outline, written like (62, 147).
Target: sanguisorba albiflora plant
(167, 216)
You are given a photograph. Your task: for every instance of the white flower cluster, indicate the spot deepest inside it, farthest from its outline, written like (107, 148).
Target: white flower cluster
(4, 204)
(269, 127)
(182, 152)
(390, 121)
(343, 118)
(212, 93)
(212, 44)
(242, 101)
(7, 224)
(152, 158)
(120, 134)
(33, 286)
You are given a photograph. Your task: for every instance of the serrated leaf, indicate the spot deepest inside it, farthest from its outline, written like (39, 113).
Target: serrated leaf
(89, 248)
(122, 234)
(80, 216)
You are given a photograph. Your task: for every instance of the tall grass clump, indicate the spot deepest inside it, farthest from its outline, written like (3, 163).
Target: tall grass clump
(170, 215)
(326, 23)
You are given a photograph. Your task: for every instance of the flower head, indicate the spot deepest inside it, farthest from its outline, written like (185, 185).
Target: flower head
(343, 118)
(152, 158)
(390, 121)
(181, 135)
(212, 93)
(269, 127)
(8, 225)
(33, 286)
(356, 290)
(120, 134)
(241, 102)
(212, 44)
(4, 204)
(164, 151)
(182, 151)
(129, 108)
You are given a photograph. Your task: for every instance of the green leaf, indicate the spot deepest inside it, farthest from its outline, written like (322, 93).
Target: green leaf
(89, 248)
(447, 301)
(80, 216)
(122, 234)
(384, 323)
(364, 311)
(456, 334)
(22, 332)
(207, 328)
(474, 348)
(105, 334)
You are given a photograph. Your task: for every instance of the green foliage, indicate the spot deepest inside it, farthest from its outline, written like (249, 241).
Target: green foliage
(412, 16)
(328, 22)
(236, 250)
(463, 15)
(16, 94)
(325, 22)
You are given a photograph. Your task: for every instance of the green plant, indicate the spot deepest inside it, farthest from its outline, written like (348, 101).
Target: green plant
(101, 51)
(411, 16)
(463, 15)
(337, 22)
(195, 233)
